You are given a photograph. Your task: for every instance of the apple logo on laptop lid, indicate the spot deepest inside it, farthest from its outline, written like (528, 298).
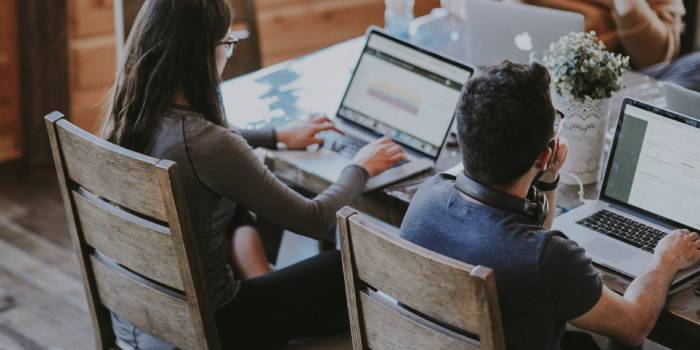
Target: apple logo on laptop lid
(523, 41)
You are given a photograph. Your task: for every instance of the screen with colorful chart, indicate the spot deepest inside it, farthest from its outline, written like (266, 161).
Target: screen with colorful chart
(404, 93)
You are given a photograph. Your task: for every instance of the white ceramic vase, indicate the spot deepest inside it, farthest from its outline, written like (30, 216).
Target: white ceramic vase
(584, 131)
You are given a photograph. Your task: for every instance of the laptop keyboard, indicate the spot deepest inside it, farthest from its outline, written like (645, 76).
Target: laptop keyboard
(346, 145)
(624, 229)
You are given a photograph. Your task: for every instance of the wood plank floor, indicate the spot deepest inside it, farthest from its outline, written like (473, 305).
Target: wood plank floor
(42, 300)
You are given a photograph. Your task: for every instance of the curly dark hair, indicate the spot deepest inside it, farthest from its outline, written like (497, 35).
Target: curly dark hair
(504, 121)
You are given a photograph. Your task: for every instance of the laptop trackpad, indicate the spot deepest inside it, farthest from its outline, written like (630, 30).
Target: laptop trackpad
(608, 250)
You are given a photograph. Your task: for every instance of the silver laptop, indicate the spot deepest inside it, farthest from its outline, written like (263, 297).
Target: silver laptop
(682, 100)
(497, 31)
(651, 186)
(397, 89)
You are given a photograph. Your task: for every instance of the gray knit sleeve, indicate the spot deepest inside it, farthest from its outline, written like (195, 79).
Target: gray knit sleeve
(226, 163)
(264, 137)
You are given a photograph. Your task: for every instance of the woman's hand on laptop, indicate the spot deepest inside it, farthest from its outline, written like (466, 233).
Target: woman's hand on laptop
(679, 250)
(379, 155)
(302, 133)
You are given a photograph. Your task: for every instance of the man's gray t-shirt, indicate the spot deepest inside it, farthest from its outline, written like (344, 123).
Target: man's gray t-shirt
(543, 279)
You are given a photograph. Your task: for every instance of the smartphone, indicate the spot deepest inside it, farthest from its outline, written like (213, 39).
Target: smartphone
(554, 143)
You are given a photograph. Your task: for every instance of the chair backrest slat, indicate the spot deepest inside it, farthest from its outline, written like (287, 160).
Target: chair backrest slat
(133, 242)
(148, 307)
(131, 229)
(436, 288)
(114, 173)
(391, 327)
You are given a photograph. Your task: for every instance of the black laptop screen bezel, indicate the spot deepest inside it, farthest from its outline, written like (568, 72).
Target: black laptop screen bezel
(659, 111)
(376, 31)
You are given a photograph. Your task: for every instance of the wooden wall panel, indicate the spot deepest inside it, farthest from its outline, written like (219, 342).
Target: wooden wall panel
(88, 18)
(43, 47)
(92, 67)
(289, 28)
(10, 121)
(87, 107)
(89, 58)
(296, 29)
(92, 59)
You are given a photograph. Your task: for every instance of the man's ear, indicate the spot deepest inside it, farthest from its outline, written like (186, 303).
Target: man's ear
(543, 158)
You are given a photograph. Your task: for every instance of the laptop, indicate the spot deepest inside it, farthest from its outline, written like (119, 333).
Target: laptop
(498, 31)
(397, 89)
(651, 187)
(682, 100)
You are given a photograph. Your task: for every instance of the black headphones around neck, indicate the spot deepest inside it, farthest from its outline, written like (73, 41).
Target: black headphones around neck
(534, 206)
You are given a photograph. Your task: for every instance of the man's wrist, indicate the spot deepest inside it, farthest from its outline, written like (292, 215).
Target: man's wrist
(664, 264)
(549, 178)
(546, 185)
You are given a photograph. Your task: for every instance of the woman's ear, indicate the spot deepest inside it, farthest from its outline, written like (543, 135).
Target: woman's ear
(543, 159)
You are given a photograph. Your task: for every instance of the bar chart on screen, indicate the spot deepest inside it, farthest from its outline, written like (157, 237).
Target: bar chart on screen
(395, 96)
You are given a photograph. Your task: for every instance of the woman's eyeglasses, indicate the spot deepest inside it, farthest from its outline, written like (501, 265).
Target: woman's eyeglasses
(230, 45)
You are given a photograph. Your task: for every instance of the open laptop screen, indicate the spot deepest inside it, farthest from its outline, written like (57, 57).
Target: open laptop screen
(655, 164)
(405, 93)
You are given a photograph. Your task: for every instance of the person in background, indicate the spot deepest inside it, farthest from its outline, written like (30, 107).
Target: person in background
(166, 103)
(649, 31)
(491, 215)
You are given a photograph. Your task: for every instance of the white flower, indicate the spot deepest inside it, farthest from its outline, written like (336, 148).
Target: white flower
(582, 67)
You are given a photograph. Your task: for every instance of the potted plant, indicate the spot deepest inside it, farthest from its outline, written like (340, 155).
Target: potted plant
(584, 75)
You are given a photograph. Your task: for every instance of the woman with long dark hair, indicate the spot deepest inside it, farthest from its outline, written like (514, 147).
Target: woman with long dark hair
(166, 103)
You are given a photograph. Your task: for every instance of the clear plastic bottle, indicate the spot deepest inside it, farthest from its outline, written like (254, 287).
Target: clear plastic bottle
(398, 16)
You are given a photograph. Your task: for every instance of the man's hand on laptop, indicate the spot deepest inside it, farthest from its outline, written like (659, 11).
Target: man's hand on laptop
(679, 250)
(630, 318)
(302, 133)
(379, 155)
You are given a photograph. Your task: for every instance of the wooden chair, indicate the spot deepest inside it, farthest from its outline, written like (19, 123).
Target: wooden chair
(244, 27)
(132, 232)
(402, 296)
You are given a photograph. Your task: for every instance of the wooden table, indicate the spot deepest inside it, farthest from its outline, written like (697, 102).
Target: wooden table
(316, 82)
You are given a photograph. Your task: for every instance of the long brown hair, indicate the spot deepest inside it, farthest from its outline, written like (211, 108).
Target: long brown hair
(171, 50)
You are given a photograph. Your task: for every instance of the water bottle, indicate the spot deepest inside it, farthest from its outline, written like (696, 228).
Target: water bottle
(398, 16)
